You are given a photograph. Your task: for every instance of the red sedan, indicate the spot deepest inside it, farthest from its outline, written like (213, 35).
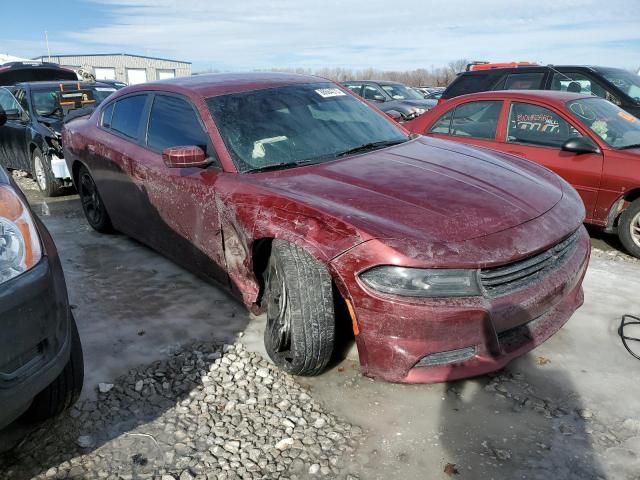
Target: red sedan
(589, 141)
(448, 261)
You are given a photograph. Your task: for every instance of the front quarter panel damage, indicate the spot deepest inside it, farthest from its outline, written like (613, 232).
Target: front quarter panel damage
(249, 215)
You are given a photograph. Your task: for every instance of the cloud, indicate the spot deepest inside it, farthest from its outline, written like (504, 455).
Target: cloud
(253, 34)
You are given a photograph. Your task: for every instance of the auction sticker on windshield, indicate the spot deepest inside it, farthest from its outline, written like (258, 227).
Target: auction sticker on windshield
(330, 92)
(627, 116)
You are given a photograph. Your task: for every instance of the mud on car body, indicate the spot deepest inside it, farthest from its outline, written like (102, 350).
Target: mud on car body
(41, 364)
(446, 261)
(30, 140)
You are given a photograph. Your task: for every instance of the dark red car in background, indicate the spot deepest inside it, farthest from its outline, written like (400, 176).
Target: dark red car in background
(590, 142)
(448, 261)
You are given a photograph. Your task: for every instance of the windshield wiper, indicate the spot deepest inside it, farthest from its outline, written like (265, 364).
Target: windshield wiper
(370, 146)
(633, 145)
(280, 166)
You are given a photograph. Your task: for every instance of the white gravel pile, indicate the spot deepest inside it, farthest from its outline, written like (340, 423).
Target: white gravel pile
(204, 413)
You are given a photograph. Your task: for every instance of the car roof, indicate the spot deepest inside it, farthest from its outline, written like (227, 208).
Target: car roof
(210, 85)
(53, 83)
(524, 68)
(553, 96)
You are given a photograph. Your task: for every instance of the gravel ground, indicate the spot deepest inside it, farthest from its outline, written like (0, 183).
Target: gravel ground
(203, 413)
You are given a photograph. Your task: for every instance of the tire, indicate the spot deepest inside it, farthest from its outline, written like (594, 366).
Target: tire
(300, 332)
(63, 392)
(629, 228)
(47, 183)
(94, 209)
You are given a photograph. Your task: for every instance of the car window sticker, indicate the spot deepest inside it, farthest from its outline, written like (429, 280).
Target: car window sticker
(258, 145)
(330, 92)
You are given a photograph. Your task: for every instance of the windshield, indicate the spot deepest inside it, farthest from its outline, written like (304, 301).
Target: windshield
(618, 128)
(628, 82)
(296, 124)
(45, 101)
(400, 92)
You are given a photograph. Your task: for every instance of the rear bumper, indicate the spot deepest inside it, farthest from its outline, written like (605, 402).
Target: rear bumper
(477, 334)
(35, 338)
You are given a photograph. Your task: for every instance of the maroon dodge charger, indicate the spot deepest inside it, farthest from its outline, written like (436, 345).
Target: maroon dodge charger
(446, 261)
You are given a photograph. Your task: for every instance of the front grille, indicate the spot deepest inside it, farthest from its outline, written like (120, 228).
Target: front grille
(508, 278)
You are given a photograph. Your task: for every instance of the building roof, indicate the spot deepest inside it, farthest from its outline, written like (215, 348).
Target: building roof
(42, 57)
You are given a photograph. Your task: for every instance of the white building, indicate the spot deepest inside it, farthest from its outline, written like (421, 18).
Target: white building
(124, 67)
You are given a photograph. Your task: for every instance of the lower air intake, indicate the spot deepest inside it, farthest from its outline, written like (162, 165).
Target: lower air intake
(450, 356)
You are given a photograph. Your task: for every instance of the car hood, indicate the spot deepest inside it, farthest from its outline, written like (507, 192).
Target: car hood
(425, 189)
(52, 123)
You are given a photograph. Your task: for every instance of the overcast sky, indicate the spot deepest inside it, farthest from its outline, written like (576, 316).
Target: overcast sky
(258, 34)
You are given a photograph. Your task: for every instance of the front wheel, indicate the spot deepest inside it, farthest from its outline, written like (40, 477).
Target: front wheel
(48, 184)
(300, 332)
(629, 228)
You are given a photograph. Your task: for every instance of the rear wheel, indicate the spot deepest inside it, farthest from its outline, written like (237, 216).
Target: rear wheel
(64, 390)
(300, 332)
(92, 205)
(43, 175)
(629, 228)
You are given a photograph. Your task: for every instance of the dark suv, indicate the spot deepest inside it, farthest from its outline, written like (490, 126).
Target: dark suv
(614, 84)
(392, 96)
(16, 72)
(30, 140)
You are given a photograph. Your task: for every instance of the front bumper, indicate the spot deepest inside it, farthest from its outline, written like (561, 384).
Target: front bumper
(59, 167)
(35, 338)
(396, 333)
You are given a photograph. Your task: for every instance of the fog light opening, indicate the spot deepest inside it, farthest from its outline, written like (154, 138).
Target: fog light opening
(445, 358)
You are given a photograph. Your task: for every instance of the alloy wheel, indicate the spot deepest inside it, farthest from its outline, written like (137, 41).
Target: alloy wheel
(90, 200)
(41, 177)
(635, 229)
(278, 321)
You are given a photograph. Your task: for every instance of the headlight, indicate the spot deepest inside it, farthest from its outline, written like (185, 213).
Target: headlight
(19, 243)
(418, 282)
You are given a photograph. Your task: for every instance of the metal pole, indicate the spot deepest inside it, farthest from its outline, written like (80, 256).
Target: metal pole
(46, 37)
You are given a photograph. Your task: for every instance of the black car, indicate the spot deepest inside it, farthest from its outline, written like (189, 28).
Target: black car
(614, 84)
(392, 97)
(30, 140)
(16, 72)
(41, 363)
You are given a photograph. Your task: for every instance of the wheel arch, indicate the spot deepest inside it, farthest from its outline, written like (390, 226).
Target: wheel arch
(616, 209)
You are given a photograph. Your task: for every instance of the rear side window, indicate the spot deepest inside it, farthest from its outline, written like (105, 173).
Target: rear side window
(107, 113)
(576, 83)
(535, 125)
(355, 88)
(476, 119)
(172, 123)
(127, 114)
(524, 81)
(469, 83)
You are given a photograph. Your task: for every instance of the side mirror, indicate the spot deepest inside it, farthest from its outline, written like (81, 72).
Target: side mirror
(3, 117)
(184, 157)
(378, 98)
(580, 145)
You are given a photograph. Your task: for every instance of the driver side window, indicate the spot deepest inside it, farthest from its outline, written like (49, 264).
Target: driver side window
(372, 93)
(539, 126)
(9, 103)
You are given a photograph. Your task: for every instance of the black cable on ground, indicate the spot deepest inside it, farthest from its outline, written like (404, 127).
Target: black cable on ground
(628, 320)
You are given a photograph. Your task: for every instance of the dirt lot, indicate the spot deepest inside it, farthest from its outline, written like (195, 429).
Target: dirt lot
(167, 392)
